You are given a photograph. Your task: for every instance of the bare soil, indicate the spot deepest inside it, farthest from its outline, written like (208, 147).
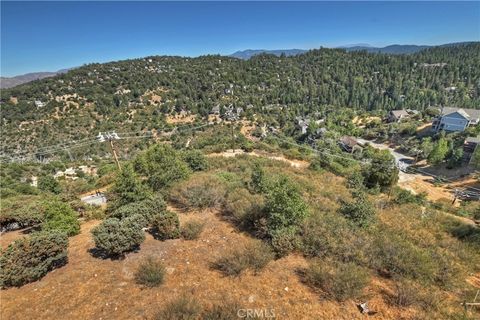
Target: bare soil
(256, 153)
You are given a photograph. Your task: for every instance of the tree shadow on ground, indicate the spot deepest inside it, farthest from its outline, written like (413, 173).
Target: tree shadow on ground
(102, 254)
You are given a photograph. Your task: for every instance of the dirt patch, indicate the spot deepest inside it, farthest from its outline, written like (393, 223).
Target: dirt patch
(181, 119)
(232, 153)
(420, 183)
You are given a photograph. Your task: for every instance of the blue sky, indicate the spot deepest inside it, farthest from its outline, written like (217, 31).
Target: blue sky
(47, 36)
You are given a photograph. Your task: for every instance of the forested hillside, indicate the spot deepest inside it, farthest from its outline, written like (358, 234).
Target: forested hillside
(134, 95)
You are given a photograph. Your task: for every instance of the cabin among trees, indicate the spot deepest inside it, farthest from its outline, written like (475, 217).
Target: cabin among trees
(397, 115)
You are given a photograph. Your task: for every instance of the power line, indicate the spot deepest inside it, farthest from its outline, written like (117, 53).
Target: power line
(23, 156)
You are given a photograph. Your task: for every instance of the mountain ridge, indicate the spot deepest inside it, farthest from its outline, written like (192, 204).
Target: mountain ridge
(390, 49)
(10, 82)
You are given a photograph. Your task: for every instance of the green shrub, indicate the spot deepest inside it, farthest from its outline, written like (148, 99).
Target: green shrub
(30, 258)
(49, 184)
(115, 237)
(329, 235)
(393, 255)
(166, 226)
(255, 256)
(285, 241)
(381, 170)
(150, 273)
(195, 159)
(162, 166)
(21, 211)
(126, 189)
(147, 208)
(360, 211)
(284, 206)
(476, 214)
(465, 232)
(339, 281)
(403, 196)
(243, 206)
(182, 308)
(200, 192)
(60, 216)
(258, 180)
(355, 181)
(191, 230)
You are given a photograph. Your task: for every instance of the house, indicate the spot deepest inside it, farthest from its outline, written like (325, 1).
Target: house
(456, 119)
(233, 114)
(397, 115)
(349, 144)
(215, 110)
(39, 104)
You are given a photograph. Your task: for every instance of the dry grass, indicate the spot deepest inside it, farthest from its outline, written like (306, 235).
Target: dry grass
(88, 287)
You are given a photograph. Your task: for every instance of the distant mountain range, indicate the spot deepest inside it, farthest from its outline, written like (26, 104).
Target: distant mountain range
(247, 54)
(9, 82)
(392, 49)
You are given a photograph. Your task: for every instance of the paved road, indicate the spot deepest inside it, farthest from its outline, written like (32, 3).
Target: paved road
(96, 200)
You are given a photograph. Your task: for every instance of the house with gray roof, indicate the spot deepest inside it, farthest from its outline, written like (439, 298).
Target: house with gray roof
(397, 115)
(456, 119)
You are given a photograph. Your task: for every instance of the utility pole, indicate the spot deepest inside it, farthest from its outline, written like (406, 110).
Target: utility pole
(233, 138)
(110, 137)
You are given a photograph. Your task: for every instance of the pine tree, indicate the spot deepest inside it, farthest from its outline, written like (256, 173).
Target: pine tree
(127, 189)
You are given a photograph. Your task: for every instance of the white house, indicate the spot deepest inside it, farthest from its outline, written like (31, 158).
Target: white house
(39, 104)
(456, 119)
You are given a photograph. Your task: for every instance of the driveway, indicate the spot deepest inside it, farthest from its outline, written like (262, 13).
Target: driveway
(96, 200)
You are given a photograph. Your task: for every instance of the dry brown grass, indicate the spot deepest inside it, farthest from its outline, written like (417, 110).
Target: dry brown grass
(88, 287)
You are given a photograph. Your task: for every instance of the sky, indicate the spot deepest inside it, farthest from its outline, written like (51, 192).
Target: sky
(48, 36)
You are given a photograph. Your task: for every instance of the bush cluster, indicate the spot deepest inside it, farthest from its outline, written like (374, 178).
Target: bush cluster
(30, 258)
(394, 255)
(184, 307)
(21, 212)
(200, 192)
(402, 196)
(255, 256)
(49, 184)
(327, 235)
(162, 165)
(127, 189)
(59, 216)
(243, 207)
(150, 273)
(116, 237)
(340, 281)
(360, 211)
(166, 226)
(147, 208)
(192, 229)
(195, 159)
(284, 210)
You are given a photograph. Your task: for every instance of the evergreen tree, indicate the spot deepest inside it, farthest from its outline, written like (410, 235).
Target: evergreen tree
(127, 189)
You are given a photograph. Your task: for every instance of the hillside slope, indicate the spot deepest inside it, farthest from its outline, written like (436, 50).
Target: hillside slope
(137, 95)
